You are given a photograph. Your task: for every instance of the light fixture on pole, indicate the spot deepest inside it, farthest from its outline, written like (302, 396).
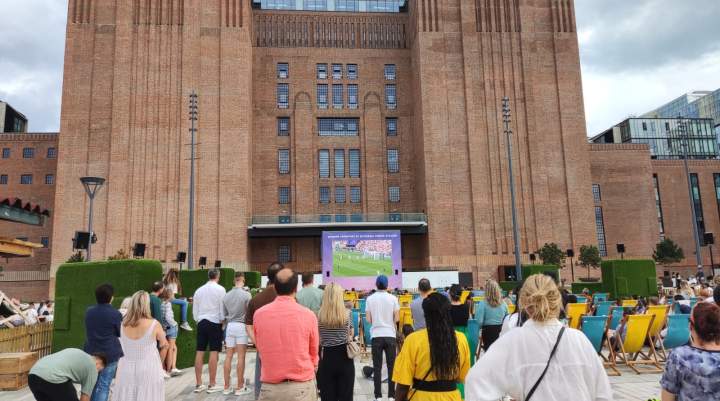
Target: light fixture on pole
(682, 131)
(92, 185)
(193, 132)
(516, 234)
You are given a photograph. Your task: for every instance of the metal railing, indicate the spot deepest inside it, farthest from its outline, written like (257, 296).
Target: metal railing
(359, 218)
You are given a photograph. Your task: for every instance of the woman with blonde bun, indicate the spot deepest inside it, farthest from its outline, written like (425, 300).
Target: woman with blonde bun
(541, 360)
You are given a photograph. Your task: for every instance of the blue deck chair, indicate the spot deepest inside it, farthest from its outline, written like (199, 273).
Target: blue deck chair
(594, 328)
(678, 333)
(617, 316)
(367, 337)
(602, 308)
(361, 305)
(600, 297)
(693, 302)
(581, 299)
(473, 336)
(356, 321)
(416, 296)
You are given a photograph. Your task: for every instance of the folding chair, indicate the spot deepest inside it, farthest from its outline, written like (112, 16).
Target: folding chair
(616, 316)
(361, 305)
(405, 316)
(356, 322)
(595, 329)
(661, 313)
(511, 309)
(630, 353)
(581, 299)
(602, 308)
(464, 296)
(678, 334)
(574, 312)
(629, 303)
(405, 299)
(600, 297)
(366, 336)
(472, 333)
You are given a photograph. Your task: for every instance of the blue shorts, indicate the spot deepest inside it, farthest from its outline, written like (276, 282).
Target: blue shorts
(171, 332)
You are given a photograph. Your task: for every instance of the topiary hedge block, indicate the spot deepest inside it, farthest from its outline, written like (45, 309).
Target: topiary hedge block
(627, 278)
(592, 286)
(508, 285)
(75, 285)
(253, 279)
(529, 270)
(191, 280)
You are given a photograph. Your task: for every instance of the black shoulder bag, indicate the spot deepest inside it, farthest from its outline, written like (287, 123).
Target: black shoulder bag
(537, 383)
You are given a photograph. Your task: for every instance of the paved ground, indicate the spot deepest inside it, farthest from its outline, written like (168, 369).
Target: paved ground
(628, 387)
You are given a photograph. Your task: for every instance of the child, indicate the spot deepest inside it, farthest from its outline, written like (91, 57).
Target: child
(171, 331)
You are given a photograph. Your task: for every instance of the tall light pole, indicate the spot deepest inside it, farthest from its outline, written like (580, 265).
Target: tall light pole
(682, 130)
(91, 185)
(516, 234)
(193, 131)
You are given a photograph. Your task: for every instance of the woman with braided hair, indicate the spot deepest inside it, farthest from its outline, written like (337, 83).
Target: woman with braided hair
(542, 359)
(433, 360)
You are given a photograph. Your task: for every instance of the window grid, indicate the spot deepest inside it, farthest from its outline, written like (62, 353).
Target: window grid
(352, 71)
(6, 153)
(390, 72)
(3, 179)
(338, 126)
(393, 161)
(324, 195)
(28, 153)
(697, 204)
(337, 71)
(394, 194)
(49, 179)
(52, 153)
(322, 96)
(324, 163)
(355, 195)
(284, 161)
(600, 231)
(283, 126)
(353, 96)
(283, 70)
(315, 5)
(337, 92)
(390, 98)
(284, 195)
(354, 158)
(596, 193)
(391, 126)
(283, 96)
(284, 255)
(658, 205)
(321, 71)
(339, 163)
(339, 194)
(26, 179)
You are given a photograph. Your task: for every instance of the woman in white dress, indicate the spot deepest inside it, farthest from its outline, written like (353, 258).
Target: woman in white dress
(140, 373)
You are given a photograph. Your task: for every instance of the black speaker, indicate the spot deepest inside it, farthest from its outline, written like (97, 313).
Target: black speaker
(396, 272)
(570, 253)
(466, 279)
(81, 240)
(202, 261)
(621, 248)
(218, 264)
(709, 239)
(139, 250)
(327, 274)
(181, 257)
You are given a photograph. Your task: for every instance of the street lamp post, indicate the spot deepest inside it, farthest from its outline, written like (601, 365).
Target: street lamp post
(516, 234)
(191, 212)
(91, 185)
(682, 130)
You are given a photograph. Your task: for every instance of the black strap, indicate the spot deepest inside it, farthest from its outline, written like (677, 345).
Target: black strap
(552, 353)
(423, 379)
(435, 386)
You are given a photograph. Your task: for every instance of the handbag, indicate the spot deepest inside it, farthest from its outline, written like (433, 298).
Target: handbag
(552, 354)
(352, 347)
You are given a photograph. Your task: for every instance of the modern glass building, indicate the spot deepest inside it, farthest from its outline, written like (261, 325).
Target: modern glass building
(361, 6)
(665, 136)
(697, 104)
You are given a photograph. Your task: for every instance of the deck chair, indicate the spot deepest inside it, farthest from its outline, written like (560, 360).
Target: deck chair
(361, 305)
(356, 322)
(511, 309)
(678, 334)
(600, 297)
(405, 316)
(472, 333)
(602, 308)
(661, 313)
(616, 316)
(630, 353)
(464, 296)
(574, 312)
(366, 336)
(629, 303)
(405, 299)
(595, 329)
(581, 299)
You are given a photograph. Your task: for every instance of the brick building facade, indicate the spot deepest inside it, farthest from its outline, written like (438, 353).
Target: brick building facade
(28, 172)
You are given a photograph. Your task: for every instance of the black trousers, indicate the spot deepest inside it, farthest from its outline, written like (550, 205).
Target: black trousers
(388, 345)
(489, 335)
(45, 391)
(336, 374)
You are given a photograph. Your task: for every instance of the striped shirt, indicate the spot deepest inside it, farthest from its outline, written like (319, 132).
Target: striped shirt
(335, 336)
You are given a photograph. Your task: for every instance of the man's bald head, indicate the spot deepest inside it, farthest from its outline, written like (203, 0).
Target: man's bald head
(286, 282)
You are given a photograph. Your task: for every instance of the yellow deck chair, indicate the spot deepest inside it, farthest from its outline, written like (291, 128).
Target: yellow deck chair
(477, 299)
(574, 313)
(464, 296)
(629, 303)
(405, 299)
(511, 309)
(351, 296)
(405, 316)
(660, 312)
(631, 349)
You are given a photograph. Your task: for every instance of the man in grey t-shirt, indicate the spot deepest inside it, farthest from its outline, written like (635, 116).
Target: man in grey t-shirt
(235, 305)
(416, 309)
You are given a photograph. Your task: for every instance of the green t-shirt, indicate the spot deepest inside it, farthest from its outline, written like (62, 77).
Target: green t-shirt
(155, 307)
(70, 364)
(311, 298)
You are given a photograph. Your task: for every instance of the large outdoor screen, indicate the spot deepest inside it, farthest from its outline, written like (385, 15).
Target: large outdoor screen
(354, 259)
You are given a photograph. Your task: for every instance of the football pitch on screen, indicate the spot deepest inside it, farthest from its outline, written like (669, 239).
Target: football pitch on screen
(349, 264)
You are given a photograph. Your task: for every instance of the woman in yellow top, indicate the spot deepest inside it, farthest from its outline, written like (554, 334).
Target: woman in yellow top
(434, 360)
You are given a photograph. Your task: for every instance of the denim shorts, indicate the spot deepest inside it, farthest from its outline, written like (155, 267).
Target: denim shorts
(171, 332)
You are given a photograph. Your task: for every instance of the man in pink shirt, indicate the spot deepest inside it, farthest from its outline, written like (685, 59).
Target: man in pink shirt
(286, 336)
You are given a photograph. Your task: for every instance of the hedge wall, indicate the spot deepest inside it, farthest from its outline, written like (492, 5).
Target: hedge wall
(508, 285)
(191, 280)
(626, 278)
(75, 291)
(592, 286)
(529, 270)
(253, 279)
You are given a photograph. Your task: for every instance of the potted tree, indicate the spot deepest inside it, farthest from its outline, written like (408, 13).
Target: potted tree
(668, 252)
(551, 254)
(589, 258)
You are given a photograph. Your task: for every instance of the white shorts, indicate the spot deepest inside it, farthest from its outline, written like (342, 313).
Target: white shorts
(235, 334)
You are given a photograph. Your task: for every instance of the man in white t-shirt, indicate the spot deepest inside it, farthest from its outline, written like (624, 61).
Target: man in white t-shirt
(382, 311)
(32, 313)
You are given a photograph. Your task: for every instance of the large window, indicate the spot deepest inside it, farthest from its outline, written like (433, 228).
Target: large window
(394, 194)
(391, 126)
(346, 5)
(596, 193)
(658, 206)
(697, 204)
(390, 72)
(354, 158)
(283, 126)
(315, 5)
(339, 194)
(49, 179)
(390, 98)
(3, 179)
(52, 153)
(284, 161)
(28, 153)
(339, 163)
(337, 71)
(284, 195)
(283, 96)
(284, 255)
(283, 70)
(600, 231)
(324, 195)
(393, 161)
(6, 153)
(338, 126)
(324, 163)
(355, 195)
(26, 179)
(322, 72)
(352, 69)
(337, 91)
(353, 96)
(322, 96)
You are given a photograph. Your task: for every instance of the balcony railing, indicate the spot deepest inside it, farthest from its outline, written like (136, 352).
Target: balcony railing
(351, 219)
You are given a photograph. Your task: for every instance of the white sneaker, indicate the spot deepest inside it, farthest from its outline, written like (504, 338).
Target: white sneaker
(199, 388)
(176, 372)
(228, 391)
(214, 389)
(185, 326)
(165, 375)
(243, 391)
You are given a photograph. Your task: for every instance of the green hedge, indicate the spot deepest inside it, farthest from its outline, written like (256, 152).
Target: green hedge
(191, 280)
(508, 285)
(592, 286)
(253, 279)
(529, 270)
(626, 278)
(75, 291)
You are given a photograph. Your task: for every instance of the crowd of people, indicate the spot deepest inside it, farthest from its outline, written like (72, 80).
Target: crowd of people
(306, 344)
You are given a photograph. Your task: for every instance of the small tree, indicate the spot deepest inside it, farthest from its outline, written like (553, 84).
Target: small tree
(121, 254)
(668, 252)
(589, 257)
(76, 257)
(551, 254)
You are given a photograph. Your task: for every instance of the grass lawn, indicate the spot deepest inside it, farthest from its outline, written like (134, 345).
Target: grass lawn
(349, 264)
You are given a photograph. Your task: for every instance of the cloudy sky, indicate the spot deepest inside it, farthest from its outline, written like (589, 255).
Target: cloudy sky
(635, 54)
